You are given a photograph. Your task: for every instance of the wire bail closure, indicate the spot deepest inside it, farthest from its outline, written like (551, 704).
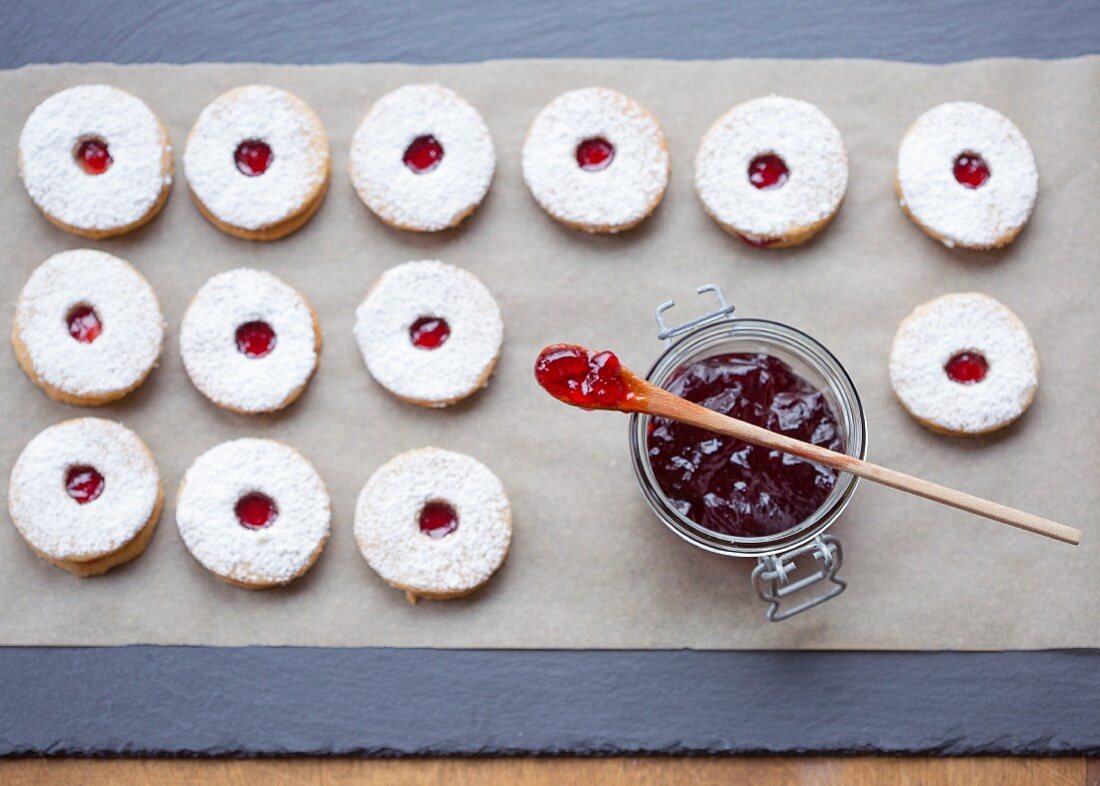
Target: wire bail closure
(667, 334)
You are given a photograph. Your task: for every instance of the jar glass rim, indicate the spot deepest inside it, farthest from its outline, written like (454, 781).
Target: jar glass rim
(701, 342)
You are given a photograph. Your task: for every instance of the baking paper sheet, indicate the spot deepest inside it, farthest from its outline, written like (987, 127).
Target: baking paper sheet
(590, 565)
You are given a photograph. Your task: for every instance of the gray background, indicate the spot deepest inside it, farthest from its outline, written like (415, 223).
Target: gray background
(445, 31)
(287, 700)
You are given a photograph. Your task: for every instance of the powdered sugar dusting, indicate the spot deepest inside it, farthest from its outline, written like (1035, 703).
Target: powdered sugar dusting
(799, 133)
(433, 200)
(52, 521)
(133, 327)
(429, 288)
(613, 198)
(946, 326)
(208, 524)
(971, 217)
(298, 143)
(388, 532)
(208, 341)
(129, 188)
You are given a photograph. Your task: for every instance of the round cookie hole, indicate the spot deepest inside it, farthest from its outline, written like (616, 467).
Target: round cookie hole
(256, 511)
(768, 171)
(423, 154)
(253, 157)
(84, 323)
(92, 155)
(255, 339)
(84, 483)
(595, 154)
(971, 170)
(438, 519)
(429, 332)
(967, 368)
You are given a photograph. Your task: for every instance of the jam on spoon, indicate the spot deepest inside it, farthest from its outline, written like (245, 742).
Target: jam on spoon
(581, 377)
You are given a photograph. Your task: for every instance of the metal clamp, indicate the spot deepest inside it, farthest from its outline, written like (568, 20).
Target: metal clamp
(771, 577)
(666, 334)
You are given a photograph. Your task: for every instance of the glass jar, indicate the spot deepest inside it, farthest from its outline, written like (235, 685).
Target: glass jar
(776, 577)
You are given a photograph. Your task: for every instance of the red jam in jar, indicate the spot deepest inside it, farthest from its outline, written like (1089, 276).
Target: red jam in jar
(732, 487)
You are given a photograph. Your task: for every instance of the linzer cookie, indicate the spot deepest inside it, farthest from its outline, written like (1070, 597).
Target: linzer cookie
(434, 523)
(772, 171)
(430, 333)
(966, 176)
(596, 160)
(253, 512)
(249, 341)
(964, 364)
(85, 495)
(257, 162)
(422, 159)
(87, 328)
(96, 161)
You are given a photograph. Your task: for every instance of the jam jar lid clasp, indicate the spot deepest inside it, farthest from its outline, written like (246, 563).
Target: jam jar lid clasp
(773, 581)
(667, 334)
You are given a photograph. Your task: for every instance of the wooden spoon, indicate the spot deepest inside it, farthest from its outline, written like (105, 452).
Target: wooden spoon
(596, 380)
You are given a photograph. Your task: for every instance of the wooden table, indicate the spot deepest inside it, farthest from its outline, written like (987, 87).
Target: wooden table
(774, 771)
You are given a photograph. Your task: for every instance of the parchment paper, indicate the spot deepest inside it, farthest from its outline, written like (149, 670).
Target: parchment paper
(590, 565)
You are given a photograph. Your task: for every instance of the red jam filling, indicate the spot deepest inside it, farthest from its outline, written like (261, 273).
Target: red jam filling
(255, 339)
(768, 171)
(730, 486)
(966, 368)
(429, 332)
(438, 519)
(84, 484)
(93, 156)
(253, 157)
(595, 154)
(84, 324)
(423, 154)
(580, 376)
(256, 511)
(754, 242)
(971, 170)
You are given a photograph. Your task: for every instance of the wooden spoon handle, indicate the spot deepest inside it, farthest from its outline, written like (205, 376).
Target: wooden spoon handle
(664, 404)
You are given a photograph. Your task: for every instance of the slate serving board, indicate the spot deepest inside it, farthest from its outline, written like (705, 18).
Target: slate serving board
(253, 701)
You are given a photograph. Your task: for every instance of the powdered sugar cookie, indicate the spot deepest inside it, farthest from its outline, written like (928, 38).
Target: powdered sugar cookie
(596, 160)
(85, 495)
(249, 341)
(422, 159)
(87, 328)
(772, 171)
(966, 176)
(96, 161)
(430, 333)
(257, 162)
(253, 512)
(433, 523)
(964, 364)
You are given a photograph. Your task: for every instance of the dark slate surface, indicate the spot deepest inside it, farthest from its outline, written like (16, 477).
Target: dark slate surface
(442, 31)
(272, 700)
(207, 701)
